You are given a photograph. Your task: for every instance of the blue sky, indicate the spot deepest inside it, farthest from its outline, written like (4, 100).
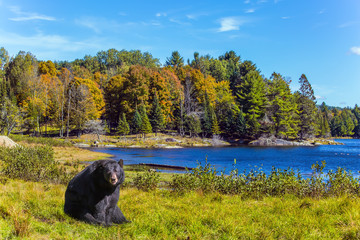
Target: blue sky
(320, 38)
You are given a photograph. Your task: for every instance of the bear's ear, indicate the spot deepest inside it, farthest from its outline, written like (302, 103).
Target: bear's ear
(98, 164)
(121, 163)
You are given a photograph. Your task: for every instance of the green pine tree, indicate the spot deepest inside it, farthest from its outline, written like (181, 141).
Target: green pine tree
(240, 124)
(156, 115)
(136, 122)
(192, 124)
(283, 108)
(145, 123)
(307, 108)
(252, 99)
(123, 127)
(210, 123)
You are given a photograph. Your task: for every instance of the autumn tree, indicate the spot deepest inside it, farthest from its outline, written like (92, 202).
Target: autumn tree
(20, 72)
(11, 116)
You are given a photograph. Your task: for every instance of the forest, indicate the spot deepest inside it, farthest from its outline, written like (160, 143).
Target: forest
(131, 92)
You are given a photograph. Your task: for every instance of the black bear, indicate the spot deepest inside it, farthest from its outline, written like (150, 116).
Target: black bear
(92, 195)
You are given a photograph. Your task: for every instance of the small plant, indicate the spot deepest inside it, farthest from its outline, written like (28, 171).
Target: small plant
(147, 181)
(21, 225)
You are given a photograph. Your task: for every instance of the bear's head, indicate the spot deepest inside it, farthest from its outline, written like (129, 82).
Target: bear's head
(113, 172)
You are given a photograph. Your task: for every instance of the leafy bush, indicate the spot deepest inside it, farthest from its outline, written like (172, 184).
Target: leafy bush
(147, 181)
(257, 184)
(32, 163)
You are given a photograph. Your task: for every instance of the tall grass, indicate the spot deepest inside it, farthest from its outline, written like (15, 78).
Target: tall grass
(55, 142)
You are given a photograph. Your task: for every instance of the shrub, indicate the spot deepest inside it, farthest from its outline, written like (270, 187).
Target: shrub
(32, 164)
(256, 184)
(147, 181)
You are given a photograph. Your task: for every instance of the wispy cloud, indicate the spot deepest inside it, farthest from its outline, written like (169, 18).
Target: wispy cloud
(348, 24)
(285, 17)
(231, 23)
(159, 14)
(28, 16)
(320, 98)
(177, 21)
(43, 42)
(195, 16)
(322, 11)
(355, 50)
(247, 1)
(251, 10)
(90, 23)
(100, 25)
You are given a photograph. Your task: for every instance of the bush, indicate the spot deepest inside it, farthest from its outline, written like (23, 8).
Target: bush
(32, 164)
(147, 181)
(256, 184)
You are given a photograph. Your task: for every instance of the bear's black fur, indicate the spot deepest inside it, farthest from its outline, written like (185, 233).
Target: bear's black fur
(92, 195)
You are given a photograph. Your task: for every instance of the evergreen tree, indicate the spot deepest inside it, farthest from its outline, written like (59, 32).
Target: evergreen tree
(307, 108)
(324, 121)
(145, 123)
(136, 122)
(175, 60)
(156, 116)
(240, 124)
(356, 112)
(123, 127)
(252, 99)
(193, 124)
(283, 108)
(210, 123)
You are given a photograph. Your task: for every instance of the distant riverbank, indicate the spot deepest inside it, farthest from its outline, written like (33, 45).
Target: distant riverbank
(164, 141)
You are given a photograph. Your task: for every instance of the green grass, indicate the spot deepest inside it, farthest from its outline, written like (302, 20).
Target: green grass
(31, 210)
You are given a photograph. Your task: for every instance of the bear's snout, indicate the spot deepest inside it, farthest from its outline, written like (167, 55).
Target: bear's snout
(113, 178)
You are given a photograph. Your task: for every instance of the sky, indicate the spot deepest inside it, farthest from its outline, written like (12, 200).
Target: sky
(318, 38)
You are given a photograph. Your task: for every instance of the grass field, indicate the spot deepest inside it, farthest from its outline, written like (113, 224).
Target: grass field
(31, 210)
(34, 210)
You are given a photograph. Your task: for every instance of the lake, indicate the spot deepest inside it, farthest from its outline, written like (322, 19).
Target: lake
(299, 158)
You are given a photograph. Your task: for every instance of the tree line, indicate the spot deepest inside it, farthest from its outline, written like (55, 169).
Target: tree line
(131, 92)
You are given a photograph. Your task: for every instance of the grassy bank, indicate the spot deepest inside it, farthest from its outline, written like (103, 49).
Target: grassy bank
(31, 210)
(201, 205)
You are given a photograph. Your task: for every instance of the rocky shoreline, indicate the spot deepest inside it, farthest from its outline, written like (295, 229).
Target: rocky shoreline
(173, 143)
(275, 142)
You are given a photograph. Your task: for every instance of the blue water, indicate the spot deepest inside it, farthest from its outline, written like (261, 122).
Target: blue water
(299, 158)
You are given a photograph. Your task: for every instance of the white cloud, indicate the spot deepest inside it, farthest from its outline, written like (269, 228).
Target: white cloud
(247, 1)
(27, 16)
(355, 50)
(322, 11)
(320, 98)
(348, 24)
(251, 10)
(230, 23)
(42, 43)
(161, 14)
(285, 18)
(90, 23)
